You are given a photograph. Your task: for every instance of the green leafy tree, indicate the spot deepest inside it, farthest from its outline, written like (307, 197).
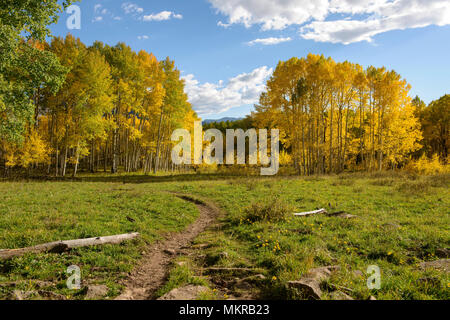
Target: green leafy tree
(25, 69)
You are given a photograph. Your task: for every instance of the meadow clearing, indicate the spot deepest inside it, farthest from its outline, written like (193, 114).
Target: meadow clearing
(109, 144)
(402, 220)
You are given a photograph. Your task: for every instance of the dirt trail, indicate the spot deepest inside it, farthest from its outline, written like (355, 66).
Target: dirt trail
(152, 272)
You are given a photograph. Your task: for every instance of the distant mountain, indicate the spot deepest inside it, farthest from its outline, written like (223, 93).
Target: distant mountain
(208, 121)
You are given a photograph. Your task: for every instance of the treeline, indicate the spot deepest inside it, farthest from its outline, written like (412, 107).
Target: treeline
(339, 116)
(114, 108)
(435, 126)
(65, 106)
(223, 126)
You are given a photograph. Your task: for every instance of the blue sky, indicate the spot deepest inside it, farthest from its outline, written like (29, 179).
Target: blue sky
(226, 49)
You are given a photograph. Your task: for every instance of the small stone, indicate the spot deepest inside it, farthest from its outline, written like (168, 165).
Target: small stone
(441, 265)
(170, 252)
(131, 294)
(372, 298)
(338, 295)
(22, 295)
(96, 291)
(309, 285)
(309, 288)
(322, 273)
(190, 292)
(180, 263)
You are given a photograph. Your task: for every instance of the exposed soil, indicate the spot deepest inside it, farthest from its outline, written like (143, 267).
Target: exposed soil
(152, 272)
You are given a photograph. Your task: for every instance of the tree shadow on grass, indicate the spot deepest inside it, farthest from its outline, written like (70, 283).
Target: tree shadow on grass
(136, 178)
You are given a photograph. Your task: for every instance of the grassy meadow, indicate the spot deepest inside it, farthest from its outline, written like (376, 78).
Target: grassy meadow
(402, 220)
(40, 212)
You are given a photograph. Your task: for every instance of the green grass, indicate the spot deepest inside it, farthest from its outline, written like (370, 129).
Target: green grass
(35, 213)
(179, 276)
(402, 220)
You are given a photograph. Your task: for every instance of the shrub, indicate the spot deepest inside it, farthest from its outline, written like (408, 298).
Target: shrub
(342, 182)
(273, 210)
(383, 182)
(442, 180)
(428, 166)
(207, 169)
(415, 187)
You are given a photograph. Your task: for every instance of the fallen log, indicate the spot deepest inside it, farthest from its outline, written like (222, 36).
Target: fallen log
(62, 246)
(304, 214)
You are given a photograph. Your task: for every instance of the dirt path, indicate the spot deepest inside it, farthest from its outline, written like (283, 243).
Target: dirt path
(143, 283)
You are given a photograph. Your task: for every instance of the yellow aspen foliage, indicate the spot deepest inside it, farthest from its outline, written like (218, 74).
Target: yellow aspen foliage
(337, 116)
(285, 158)
(427, 166)
(33, 151)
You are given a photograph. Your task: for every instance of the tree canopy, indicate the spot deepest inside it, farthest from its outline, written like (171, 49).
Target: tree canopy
(25, 68)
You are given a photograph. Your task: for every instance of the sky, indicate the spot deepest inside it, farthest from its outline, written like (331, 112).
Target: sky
(227, 49)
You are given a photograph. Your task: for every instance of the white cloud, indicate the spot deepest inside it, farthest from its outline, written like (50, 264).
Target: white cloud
(131, 8)
(269, 41)
(144, 37)
(162, 16)
(97, 8)
(271, 14)
(359, 20)
(138, 13)
(397, 15)
(244, 89)
(356, 6)
(102, 12)
(224, 25)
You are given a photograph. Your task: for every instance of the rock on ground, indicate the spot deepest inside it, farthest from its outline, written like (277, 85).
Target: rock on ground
(97, 291)
(309, 285)
(30, 295)
(322, 273)
(170, 252)
(181, 263)
(442, 265)
(22, 295)
(190, 292)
